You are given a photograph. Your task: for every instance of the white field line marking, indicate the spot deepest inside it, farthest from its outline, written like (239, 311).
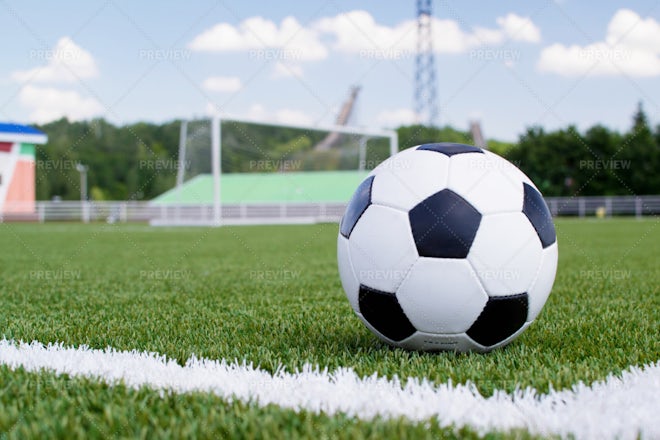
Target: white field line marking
(623, 407)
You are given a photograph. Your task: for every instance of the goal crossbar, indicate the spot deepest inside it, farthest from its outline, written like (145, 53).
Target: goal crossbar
(216, 148)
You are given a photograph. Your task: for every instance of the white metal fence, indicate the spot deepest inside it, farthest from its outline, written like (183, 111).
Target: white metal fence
(263, 213)
(172, 214)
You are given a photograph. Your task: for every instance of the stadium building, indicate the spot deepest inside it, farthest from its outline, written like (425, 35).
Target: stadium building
(17, 167)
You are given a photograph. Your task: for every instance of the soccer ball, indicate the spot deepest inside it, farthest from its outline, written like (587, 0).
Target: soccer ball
(447, 247)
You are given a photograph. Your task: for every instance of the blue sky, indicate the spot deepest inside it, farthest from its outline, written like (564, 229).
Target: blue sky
(510, 64)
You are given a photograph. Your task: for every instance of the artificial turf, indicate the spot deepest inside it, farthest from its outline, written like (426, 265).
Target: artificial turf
(271, 295)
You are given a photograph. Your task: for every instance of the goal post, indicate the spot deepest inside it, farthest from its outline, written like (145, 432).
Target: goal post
(221, 158)
(216, 168)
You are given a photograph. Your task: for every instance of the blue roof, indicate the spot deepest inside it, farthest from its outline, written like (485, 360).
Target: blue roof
(18, 129)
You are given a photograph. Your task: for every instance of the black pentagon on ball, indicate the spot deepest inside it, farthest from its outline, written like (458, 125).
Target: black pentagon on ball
(444, 225)
(450, 148)
(359, 203)
(501, 317)
(536, 210)
(383, 312)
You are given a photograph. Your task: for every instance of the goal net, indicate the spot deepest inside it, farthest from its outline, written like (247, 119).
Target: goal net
(233, 171)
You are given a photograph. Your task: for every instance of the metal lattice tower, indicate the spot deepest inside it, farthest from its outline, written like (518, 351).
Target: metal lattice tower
(426, 105)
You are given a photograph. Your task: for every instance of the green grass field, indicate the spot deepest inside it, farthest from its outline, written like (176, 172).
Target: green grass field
(272, 296)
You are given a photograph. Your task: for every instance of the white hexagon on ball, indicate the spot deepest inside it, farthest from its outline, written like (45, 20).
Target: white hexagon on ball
(409, 177)
(506, 254)
(486, 182)
(349, 281)
(381, 248)
(440, 295)
(542, 284)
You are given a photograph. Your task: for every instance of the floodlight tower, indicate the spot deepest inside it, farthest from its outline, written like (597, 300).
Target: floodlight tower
(426, 105)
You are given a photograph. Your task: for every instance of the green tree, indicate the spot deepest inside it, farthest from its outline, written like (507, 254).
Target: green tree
(139, 161)
(638, 157)
(601, 144)
(600, 161)
(552, 160)
(412, 135)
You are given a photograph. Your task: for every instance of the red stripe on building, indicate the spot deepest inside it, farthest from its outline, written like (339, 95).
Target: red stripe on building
(21, 191)
(5, 147)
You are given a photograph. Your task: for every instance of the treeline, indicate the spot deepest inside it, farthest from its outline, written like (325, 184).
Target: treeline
(567, 162)
(121, 160)
(140, 161)
(597, 162)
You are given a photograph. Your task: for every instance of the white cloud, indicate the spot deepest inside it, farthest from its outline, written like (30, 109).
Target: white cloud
(66, 62)
(283, 70)
(225, 84)
(396, 117)
(212, 110)
(358, 32)
(257, 112)
(628, 28)
(47, 104)
(290, 116)
(631, 47)
(519, 28)
(264, 39)
(354, 32)
(284, 115)
(481, 37)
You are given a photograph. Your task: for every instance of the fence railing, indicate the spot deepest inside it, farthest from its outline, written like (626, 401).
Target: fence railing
(131, 211)
(604, 205)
